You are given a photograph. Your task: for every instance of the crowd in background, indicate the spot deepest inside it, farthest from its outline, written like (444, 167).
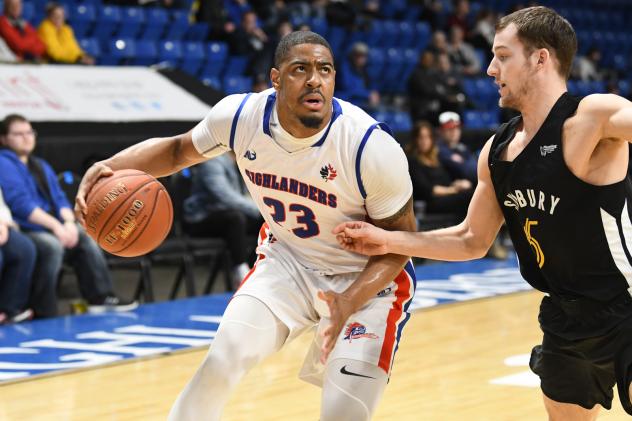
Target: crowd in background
(38, 234)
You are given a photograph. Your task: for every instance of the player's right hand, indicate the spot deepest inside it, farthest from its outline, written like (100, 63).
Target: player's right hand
(362, 237)
(89, 179)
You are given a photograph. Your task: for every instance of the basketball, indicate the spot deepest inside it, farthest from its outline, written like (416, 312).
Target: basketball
(129, 213)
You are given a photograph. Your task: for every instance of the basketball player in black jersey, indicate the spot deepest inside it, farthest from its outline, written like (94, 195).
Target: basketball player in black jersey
(556, 175)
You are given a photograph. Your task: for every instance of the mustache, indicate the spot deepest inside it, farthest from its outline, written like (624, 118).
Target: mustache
(312, 92)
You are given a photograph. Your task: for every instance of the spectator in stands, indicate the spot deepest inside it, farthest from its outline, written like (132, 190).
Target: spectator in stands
(452, 95)
(432, 12)
(456, 157)
(459, 17)
(353, 81)
(432, 182)
(61, 44)
(42, 211)
(251, 41)
(17, 261)
(220, 206)
(438, 42)
(424, 96)
(587, 68)
(462, 55)
(482, 36)
(19, 34)
(214, 13)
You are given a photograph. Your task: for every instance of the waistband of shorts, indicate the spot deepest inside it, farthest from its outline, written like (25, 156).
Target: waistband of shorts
(581, 305)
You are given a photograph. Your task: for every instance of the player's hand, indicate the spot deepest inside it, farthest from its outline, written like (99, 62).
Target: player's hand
(4, 233)
(339, 311)
(89, 179)
(362, 237)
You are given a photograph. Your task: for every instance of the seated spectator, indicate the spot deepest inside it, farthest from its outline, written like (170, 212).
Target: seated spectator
(17, 261)
(353, 79)
(219, 206)
(452, 95)
(249, 40)
(459, 16)
(462, 55)
(42, 211)
(424, 94)
(587, 68)
(61, 44)
(453, 154)
(438, 42)
(432, 183)
(19, 34)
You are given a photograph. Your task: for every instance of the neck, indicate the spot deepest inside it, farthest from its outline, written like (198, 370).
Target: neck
(292, 124)
(538, 105)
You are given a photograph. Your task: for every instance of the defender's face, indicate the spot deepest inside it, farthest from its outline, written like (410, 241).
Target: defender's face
(20, 138)
(511, 69)
(305, 83)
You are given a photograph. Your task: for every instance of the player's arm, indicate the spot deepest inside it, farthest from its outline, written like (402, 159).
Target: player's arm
(612, 112)
(468, 240)
(377, 274)
(167, 155)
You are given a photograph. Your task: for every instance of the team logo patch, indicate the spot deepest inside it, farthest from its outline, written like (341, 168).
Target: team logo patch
(328, 172)
(251, 155)
(356, 330)
(546, 149)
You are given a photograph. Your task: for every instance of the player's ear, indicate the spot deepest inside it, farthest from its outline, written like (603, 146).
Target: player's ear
(275, 77)
(543, 56)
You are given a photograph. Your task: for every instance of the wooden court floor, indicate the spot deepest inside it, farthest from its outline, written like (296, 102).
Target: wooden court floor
(446, 359)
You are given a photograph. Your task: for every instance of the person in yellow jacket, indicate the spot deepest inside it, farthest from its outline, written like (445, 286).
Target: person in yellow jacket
(59, 38)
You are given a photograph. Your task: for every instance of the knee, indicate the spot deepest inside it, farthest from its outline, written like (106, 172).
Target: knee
(49, 248)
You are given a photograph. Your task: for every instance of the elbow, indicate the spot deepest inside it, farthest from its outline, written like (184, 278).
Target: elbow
(476, 248)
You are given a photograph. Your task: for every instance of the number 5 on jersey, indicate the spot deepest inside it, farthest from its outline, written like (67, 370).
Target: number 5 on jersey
(305, 216)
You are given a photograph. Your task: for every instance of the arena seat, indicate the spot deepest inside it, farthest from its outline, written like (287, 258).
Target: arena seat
(197, 32)
(193, 55)
(81, 17)
(132, 20)
(170, 52)
(236, 65)
(237, 84)
(156, 20)
(146, 53)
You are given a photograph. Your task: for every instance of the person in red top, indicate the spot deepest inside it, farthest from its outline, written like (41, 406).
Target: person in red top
(19, 34)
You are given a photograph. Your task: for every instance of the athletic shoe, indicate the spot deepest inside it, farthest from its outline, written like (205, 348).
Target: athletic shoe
(112, 304)
(22, 316)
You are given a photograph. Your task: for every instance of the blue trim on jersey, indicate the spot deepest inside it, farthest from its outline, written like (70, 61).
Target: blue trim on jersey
(361, 149)
(267, 114)
(337, 112)
(233, 127)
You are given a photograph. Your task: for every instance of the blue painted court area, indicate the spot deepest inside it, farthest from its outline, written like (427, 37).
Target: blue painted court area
(74, 342)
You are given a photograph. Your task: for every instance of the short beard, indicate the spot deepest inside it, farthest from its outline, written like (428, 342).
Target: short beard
(311, 122)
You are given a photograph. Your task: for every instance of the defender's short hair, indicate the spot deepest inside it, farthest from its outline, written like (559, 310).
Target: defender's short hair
(297, 38)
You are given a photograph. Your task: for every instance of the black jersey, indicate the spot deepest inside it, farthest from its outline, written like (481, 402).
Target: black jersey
(573, 239)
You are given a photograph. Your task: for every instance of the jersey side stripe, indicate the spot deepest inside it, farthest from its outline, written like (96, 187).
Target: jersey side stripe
(361, 149)
(617, 242)
(233, 127)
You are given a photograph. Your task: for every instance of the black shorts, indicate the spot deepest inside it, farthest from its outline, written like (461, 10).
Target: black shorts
(583, 371)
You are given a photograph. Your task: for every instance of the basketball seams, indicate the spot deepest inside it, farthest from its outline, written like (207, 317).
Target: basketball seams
(139, 234)
(114, 210)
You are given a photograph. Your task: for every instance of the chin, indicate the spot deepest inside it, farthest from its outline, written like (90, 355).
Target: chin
(311, 121)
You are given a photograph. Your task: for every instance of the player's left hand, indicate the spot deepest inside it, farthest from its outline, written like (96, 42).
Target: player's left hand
(339, 311)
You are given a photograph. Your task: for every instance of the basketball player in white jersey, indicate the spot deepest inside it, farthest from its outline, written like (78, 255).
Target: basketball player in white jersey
(310, 162)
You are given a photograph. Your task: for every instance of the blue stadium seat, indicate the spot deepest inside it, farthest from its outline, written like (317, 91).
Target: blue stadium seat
(422, 35)
(395, 62)
(624, 88)
(390, 35)
(320, 26)
(197, 32)
(480, 119)
(237, 84)
(374, 33)
(216, 55)
(193, 56)
(212, 81)
(132, 20)
(170, 52)
(107, 23)
(28, 11)
(406, 35)
(156, 20)
(337, 37)
(81, 18)
(146, 53)
(375, 66)
(178, 26)
(401, 122)
(90, 46)
(236, 66)
(120, 51)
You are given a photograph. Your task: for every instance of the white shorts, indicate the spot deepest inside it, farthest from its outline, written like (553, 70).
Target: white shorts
(290, 291)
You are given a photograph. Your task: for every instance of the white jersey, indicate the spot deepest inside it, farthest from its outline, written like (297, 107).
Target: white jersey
(352, 172)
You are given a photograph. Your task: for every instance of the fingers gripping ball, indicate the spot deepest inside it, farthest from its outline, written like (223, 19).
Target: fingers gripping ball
(129, 213)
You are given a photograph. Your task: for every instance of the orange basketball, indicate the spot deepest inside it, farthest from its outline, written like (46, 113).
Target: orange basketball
(129, 213)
